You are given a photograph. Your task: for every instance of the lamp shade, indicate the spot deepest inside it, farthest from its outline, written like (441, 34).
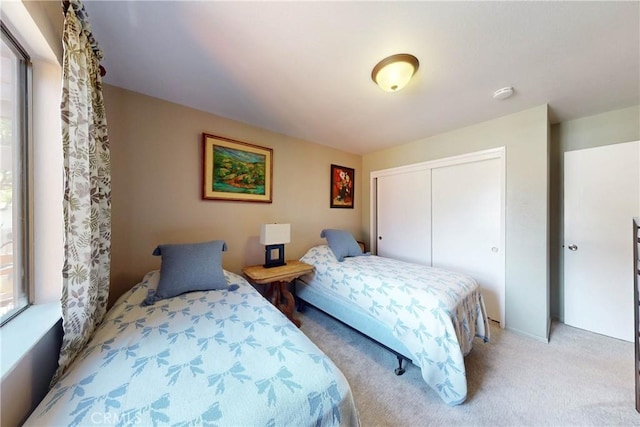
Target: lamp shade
(274, 234)
(394, 72)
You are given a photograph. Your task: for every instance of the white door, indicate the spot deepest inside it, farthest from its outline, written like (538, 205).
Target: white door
(467, 224)
(404, 216)
(601, 187)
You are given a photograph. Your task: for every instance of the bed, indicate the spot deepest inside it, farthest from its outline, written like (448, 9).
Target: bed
(216, 357)
(426, 315)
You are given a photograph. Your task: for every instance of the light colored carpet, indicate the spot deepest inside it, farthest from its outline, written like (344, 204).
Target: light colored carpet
(578, 378)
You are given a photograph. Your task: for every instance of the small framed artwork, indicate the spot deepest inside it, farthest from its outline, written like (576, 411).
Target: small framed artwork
(342, 187)
(235, 170)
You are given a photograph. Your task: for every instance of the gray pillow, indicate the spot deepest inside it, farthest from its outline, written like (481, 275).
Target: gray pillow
(188, 268)
(342, 243)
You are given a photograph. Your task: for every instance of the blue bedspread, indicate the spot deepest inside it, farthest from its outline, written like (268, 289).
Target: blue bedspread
(225, 358)
(435, 313)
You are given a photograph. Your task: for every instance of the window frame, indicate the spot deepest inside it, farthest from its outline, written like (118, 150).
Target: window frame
(25, 245)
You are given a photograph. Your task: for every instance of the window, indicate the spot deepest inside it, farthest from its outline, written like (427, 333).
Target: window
(14, 178)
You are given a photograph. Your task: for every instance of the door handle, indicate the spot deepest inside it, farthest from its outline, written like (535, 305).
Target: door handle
(573, 247)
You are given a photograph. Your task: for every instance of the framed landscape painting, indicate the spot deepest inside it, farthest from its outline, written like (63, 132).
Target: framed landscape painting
(235, 170)
(342, 187)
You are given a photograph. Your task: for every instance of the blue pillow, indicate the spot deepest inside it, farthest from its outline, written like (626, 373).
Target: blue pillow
(189, 268)
(341, 243)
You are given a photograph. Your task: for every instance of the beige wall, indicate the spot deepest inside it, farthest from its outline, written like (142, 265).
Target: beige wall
(50, 20)
(156, 189)
(525, 136)
(602, 129)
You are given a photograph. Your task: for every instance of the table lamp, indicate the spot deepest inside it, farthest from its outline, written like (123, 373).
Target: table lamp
(274, 236)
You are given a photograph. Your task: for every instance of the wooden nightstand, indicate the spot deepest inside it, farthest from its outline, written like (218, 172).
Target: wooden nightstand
(276, 279)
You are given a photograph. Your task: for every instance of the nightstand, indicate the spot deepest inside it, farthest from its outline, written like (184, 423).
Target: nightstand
(276, 279)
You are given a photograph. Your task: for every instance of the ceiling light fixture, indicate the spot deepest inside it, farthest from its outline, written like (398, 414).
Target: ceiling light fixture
(394, 72)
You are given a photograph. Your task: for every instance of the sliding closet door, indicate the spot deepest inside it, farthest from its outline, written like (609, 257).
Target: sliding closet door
(467, 224)
(403, 216)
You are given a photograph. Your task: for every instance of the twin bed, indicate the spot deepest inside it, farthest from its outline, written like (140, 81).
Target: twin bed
(425, 315)
(223, 355)
(218, 357)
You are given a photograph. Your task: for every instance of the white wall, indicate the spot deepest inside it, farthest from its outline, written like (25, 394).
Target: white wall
(48, 220)
(525, 136)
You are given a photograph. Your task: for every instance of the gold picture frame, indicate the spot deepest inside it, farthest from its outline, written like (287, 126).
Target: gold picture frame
(235, 170)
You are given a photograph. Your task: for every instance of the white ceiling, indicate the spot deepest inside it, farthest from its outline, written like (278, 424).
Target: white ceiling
(303, 68)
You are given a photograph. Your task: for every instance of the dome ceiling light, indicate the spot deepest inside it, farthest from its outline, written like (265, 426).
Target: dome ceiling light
(394, 72)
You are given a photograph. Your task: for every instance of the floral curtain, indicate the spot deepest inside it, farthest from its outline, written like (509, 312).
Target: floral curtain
(87, 187)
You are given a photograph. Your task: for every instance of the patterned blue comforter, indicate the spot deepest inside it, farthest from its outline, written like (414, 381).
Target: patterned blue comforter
(435, 313)
(203, 358)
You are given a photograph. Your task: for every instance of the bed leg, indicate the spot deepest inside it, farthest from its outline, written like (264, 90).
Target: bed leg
(399, 370)
(301, 305)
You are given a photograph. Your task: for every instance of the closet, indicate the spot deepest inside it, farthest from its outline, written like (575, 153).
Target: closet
(447, 213)
(404, 215)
